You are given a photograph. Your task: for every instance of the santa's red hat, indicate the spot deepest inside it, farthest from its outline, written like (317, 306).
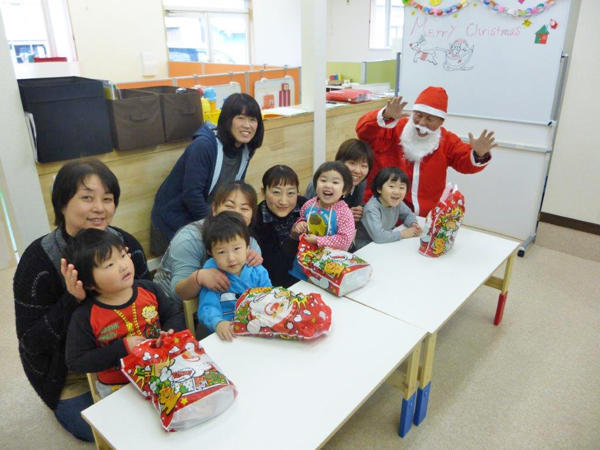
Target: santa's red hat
(433, 100)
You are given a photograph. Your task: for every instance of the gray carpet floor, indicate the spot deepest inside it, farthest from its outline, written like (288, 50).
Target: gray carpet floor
(532, 382)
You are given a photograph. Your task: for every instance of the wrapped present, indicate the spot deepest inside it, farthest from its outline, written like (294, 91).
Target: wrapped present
(442, 223)
(337, 271)
(183, 383)
(278, 312)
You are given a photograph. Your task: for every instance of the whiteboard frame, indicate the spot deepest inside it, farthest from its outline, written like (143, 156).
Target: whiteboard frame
(528, 219)
(557, 81)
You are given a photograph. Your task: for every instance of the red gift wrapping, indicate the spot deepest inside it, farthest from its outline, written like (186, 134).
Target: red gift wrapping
(442, 223)
(278, 312)
(183, 383)
(336, 271)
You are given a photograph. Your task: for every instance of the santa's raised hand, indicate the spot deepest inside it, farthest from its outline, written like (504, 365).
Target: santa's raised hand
(395, 109)
(484, 143)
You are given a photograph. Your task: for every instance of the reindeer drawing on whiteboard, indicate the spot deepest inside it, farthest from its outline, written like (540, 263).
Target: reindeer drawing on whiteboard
(422, 53)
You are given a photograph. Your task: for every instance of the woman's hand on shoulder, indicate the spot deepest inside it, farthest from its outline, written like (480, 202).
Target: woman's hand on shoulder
(254, 258)
(212, 279)
(73, 285)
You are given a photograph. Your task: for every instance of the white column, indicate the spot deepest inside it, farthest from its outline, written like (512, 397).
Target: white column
(18, 176)
(314, 70)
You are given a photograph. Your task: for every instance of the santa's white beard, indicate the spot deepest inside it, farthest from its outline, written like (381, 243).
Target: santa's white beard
(416, 147)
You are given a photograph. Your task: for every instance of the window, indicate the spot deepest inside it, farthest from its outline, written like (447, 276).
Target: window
(208, 30)
(387, 20)
(37, 29)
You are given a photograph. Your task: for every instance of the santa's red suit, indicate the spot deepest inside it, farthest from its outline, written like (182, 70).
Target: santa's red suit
(428, 176)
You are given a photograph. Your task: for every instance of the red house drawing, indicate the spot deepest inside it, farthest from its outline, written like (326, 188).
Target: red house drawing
(541, 35)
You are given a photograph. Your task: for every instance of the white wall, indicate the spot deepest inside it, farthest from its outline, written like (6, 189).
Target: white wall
(18, 177)
(47, 69)
(348, 32)
(111, 34)
(314, 62)
(118, 31)
(277, 35)
(573, 188)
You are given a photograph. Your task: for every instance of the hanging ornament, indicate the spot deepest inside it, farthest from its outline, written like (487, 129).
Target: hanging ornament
(519, 12)
(436, 11)
(553, 24)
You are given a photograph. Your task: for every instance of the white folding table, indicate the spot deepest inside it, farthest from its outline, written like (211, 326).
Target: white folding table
(426, 291)
(291, 394)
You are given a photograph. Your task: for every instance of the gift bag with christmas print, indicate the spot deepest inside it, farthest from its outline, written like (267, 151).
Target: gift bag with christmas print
(337, 271)
(278, 312)
(183, 383)
(442, 223)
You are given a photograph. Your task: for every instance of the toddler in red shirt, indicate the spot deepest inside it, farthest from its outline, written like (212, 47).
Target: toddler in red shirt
(118, 312)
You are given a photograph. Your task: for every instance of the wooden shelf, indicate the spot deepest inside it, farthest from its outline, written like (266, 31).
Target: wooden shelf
(288, 140)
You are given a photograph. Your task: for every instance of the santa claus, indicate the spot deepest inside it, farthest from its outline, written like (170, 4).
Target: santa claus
(421, 147)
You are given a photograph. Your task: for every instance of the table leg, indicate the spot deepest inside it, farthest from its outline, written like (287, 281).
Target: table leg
(101, 444)
(425, 379)
(409, 395)
(504, 290)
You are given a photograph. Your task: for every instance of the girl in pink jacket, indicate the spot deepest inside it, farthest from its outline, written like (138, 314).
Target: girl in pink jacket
(326, 220)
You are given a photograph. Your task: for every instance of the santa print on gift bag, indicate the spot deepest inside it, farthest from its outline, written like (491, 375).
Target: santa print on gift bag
(181, 380)
(336, 271)
(278, 312)
(442, 223)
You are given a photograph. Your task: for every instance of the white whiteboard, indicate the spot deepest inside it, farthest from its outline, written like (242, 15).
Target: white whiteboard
(506, 196)
(488, 62)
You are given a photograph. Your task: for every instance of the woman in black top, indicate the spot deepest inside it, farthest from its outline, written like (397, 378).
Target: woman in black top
(276, 215)
(85, 194)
